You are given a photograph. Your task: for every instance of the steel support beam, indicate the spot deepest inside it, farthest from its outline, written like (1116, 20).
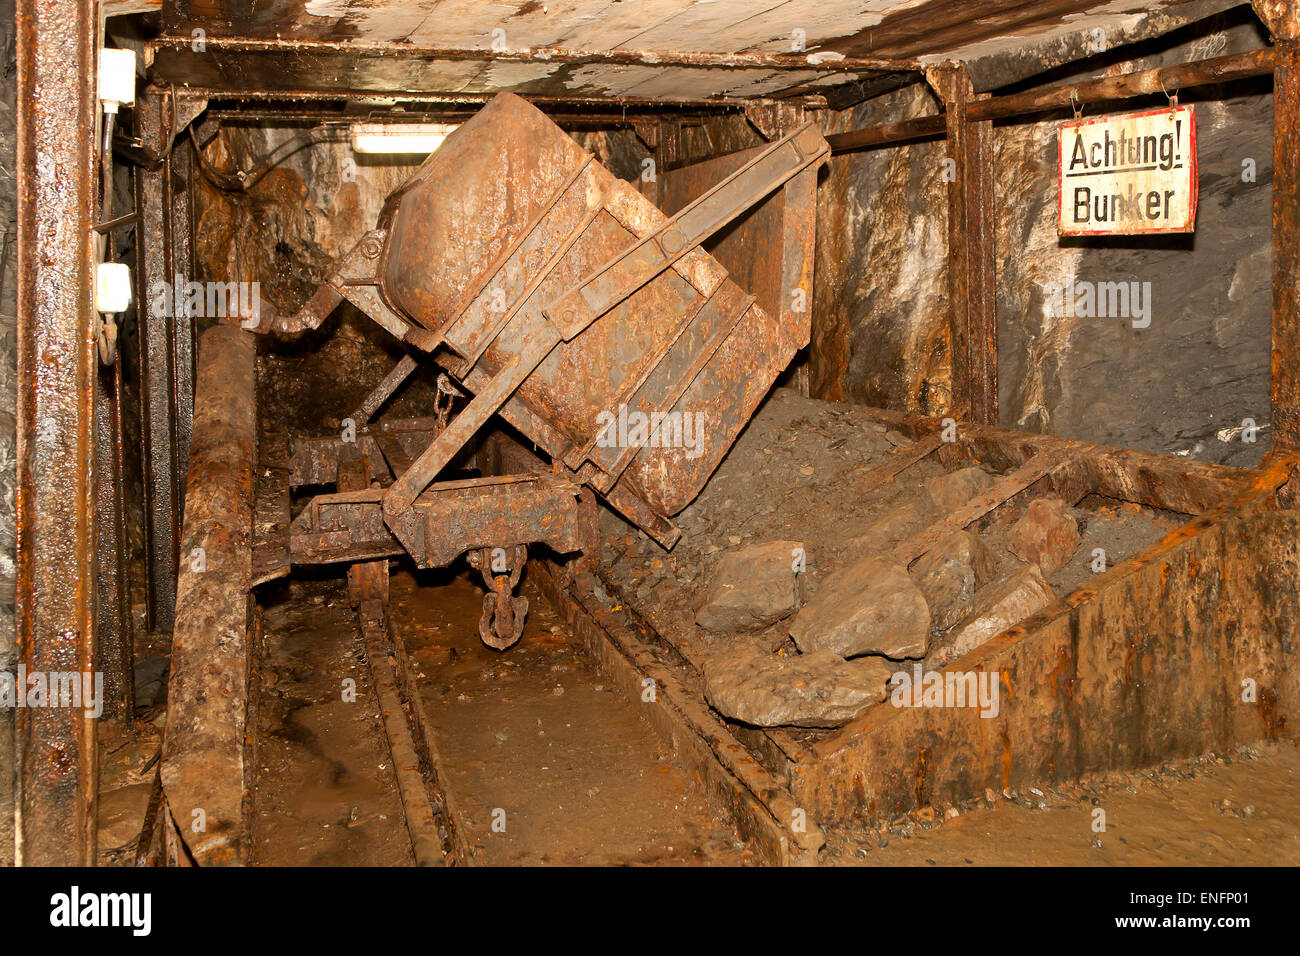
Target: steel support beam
(972, 298)
(1282, 17)
(1105, 89)
(166, 341)
(115, 652)
(56, 368)
(550, 55)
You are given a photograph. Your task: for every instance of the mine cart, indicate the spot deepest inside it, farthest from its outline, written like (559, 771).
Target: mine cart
(561, 298)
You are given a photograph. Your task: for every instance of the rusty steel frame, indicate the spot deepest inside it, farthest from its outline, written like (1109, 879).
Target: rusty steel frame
(553, 55)
(1106, 89)
(966, 125)
(447, 520)
(972, 297)
(56, 368)
(114, 626)
(1282, 17)
(316, 460)
(649, 104)
(163, 195)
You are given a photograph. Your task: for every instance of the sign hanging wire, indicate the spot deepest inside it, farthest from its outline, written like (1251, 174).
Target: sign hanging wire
(1172, 97)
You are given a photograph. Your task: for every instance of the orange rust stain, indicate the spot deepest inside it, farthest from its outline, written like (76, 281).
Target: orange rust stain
(1057, 677)
(1274, 724)
(1080, 596)
(1006, 757)
(1130, 657)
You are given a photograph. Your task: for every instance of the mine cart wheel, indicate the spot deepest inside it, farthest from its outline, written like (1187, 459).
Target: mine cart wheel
(502, 623)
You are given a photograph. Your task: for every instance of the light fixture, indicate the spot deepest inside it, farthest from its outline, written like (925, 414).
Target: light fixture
(112, 287)
(398, 137)
(116, 78)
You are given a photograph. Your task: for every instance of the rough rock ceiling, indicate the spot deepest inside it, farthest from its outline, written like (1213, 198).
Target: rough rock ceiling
(537, 47)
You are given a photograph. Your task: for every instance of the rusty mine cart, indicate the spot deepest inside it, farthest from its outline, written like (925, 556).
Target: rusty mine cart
(552, 292)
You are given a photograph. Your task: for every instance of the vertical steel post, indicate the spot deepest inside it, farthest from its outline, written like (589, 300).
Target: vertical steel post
(114, 641)
(971, 270)
(160, 465)
(56, 368)
(1282, 17)
(181, 172)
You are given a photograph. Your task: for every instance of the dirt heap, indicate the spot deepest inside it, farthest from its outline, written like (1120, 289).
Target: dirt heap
(794, 511)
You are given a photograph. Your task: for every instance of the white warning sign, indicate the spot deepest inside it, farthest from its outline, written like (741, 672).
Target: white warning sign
(1129, 174)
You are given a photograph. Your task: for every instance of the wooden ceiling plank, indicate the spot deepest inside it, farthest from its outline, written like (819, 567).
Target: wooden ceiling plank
(469, 24)
(621, 23)
(829, 21)
(529, 25)
(725, 26)
(1022, 19)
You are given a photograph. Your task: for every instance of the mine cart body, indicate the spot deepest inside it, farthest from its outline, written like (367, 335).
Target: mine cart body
(507, 216)
(562, 298)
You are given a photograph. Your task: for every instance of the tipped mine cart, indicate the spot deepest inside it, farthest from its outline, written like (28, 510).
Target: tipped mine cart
(564, 300)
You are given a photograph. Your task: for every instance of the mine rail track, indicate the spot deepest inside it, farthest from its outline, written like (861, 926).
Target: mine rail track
(429, 818)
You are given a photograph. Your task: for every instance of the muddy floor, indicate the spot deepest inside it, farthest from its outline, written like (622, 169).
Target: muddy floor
(580, 778)
(1235, 810)
(542, 760)
(323, 790)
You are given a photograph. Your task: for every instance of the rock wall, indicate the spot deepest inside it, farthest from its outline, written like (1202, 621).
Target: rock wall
(285, 233)
(1200, 368)
(880, 302)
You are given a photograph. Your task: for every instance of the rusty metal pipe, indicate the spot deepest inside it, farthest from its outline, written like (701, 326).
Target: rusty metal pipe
(203, 770)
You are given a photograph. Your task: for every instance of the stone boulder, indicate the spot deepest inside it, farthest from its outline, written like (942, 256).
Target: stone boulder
(753, 587)
(949, 492)
(998, 607)
(747, 683)
(949, 575)
(1046, 535)
(868, 607)
(903, 520)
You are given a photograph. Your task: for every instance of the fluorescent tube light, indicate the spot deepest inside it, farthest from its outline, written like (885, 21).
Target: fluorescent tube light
(398, 137)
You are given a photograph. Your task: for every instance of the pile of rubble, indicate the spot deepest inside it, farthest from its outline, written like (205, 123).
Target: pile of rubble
(785, 589)
(855, 627)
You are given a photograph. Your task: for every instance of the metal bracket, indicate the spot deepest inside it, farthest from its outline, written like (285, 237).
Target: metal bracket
(355, 279)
